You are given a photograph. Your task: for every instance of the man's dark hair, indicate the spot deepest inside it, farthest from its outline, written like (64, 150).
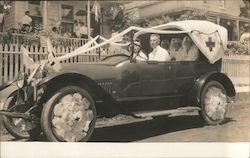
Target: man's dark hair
(27, 12)
(54, 29)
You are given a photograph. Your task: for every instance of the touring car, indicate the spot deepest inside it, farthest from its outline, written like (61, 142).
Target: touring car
(65, 105)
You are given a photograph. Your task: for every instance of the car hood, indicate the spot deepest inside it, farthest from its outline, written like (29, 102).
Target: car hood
(95, 71)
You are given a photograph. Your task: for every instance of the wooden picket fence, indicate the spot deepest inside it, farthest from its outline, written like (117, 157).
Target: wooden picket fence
(237, 67)
(11, 58)
(11, 61)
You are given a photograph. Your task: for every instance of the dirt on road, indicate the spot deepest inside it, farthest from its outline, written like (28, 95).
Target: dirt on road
(187, 127)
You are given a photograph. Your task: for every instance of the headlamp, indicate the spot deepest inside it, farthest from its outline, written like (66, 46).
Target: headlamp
(22, 80)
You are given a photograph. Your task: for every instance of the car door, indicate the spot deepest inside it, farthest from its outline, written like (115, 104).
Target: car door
(156, 78)
(185, 75)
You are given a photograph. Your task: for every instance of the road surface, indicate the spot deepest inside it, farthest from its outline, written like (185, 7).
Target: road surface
(184, 128)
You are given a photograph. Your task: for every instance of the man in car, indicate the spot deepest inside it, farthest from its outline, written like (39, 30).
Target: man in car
(139, 55)
(158, 53)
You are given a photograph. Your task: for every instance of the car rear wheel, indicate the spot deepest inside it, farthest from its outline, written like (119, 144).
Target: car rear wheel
(69, 115)
(214, 103)
(19, 127)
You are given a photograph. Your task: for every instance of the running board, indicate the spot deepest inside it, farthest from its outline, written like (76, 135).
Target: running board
(166, 112)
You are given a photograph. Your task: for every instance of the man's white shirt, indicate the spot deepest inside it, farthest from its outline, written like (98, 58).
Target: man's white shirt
(84, 30)
(159, 54)
(25, 20)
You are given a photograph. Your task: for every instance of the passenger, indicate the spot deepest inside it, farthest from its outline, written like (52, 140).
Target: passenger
(165, 44)
(189, 50)
(158, 53)
(175, 46)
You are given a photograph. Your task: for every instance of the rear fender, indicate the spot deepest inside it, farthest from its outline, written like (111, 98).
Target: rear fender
(195, 93)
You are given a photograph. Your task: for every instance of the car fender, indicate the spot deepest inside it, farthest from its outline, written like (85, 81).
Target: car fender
(53, 82)
(195, 93)
(64, 78)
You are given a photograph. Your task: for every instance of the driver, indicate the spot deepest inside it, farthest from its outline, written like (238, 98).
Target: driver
(158, 53)
(139, 55)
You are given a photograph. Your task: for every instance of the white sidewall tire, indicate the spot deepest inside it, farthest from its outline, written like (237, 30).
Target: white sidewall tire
(203, 112)
(46, 117)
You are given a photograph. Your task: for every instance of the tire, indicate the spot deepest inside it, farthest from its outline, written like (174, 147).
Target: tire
(18, 127)
(214, 103)
(69, 115)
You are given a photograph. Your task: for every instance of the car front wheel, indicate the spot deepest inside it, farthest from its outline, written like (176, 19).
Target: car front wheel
(214, 103)
(18, 127)
(69, 115)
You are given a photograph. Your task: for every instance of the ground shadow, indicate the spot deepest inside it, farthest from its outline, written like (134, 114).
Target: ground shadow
(146, 129)
(142, 130)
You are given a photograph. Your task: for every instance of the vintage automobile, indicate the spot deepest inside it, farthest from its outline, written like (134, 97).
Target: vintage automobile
(65, 105)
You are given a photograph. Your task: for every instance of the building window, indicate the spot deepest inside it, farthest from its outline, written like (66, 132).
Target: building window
(222, 3)
(67, 12)
(34, 7)
(34, 2)
(67, 18)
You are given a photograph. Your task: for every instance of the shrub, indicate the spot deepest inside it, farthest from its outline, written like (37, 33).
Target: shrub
(237, 48)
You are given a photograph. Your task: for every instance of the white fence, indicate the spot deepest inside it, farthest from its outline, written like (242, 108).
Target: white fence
(11, 60)
(237, 67)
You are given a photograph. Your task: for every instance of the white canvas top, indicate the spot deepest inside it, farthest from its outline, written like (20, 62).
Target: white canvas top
(210, 38)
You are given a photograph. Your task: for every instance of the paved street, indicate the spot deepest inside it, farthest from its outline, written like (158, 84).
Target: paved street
(184, 128)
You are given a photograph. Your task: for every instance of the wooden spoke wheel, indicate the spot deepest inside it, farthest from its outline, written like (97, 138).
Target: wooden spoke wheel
(69, 115)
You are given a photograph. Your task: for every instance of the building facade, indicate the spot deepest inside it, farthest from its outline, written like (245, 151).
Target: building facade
(50, 13)
(223, 12)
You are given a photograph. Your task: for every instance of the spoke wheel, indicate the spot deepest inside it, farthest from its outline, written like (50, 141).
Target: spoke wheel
(69, 115)
(17, 127)
(214, 103)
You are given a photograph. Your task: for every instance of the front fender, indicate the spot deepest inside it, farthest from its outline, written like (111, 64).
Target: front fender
(54, 75)
(56, 81)
(8, 88)
(195, 93)
(7, 84)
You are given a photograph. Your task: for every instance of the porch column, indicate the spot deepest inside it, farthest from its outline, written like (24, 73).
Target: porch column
(88, 18)
(45, 15)
(238, 29)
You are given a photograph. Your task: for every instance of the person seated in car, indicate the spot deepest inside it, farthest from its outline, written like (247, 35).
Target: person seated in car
(158, 53)
(189, 51)
(165, 44)
(175, 46)
(138, 53)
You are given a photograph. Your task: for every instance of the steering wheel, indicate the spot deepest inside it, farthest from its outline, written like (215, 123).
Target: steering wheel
(132, 45)
(136, 51)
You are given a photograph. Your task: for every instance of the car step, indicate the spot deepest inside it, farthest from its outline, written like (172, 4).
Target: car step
(167, 112)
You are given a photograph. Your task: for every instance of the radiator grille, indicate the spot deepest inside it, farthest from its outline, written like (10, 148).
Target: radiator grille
(107, 86)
